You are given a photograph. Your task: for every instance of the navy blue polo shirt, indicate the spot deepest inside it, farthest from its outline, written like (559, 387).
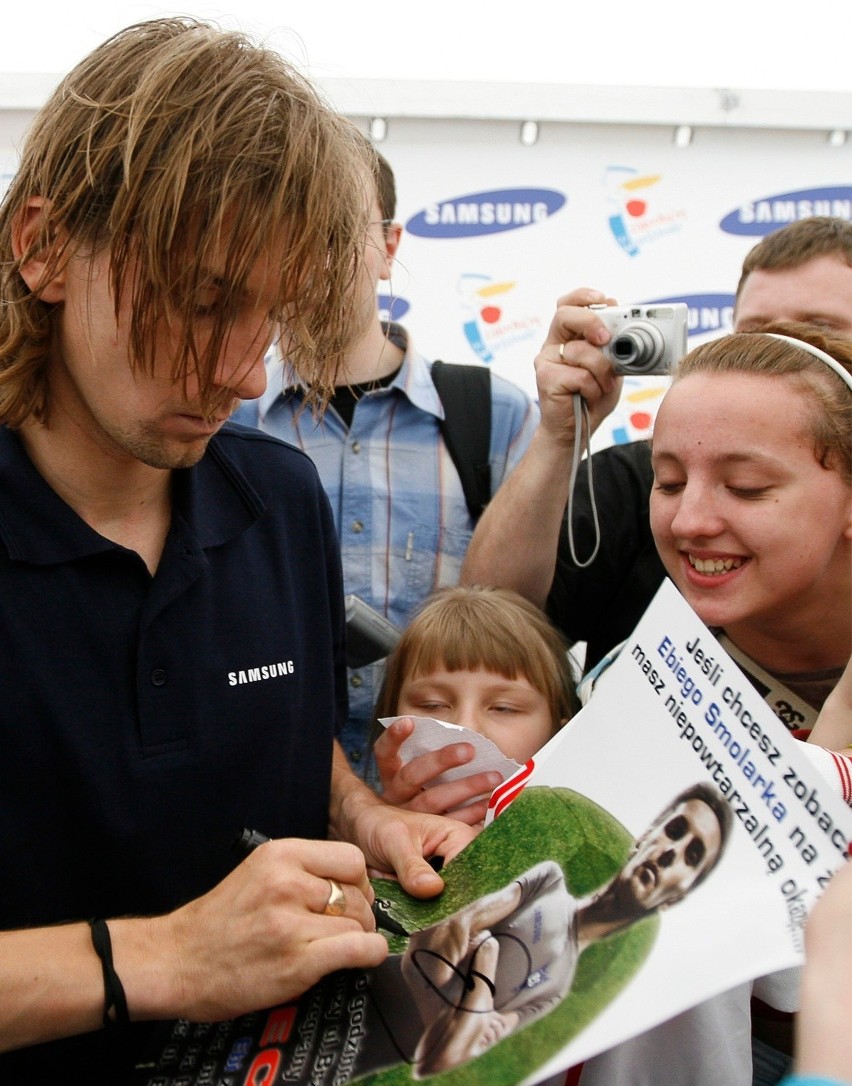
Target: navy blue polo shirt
(146, 720)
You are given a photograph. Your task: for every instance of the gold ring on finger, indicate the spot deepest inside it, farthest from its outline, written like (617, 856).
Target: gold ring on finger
(336, 904)
(562, 351)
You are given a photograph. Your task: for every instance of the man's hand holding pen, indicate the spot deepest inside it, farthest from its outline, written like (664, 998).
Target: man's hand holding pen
(291, 912)
(336, 905)
(263, 935)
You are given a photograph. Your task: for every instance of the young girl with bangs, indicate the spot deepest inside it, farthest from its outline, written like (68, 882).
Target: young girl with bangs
(482, 658)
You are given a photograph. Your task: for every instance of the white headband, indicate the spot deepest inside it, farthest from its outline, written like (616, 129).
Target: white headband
(832, 363)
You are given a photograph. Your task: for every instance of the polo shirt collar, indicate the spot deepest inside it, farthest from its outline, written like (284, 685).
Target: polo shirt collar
(213, 502)
(215, 498)
(36, 525)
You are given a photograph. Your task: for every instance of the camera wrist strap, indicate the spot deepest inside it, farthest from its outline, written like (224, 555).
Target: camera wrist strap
(582, 438)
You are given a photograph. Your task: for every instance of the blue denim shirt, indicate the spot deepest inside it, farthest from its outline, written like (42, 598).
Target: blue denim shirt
(397, 500)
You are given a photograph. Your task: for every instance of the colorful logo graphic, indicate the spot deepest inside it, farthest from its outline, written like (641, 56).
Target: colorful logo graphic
(486, 213)
(708, 313)
(487, 325)
(633, 417)
(392, 307)
(634, 219)
(770, 213)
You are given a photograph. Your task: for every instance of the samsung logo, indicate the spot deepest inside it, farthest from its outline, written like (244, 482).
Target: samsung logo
(486, 213)
(261, 673)
(763, 216)
(707, 312)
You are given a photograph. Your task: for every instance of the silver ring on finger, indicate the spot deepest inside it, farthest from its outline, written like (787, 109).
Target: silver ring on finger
(562, 351)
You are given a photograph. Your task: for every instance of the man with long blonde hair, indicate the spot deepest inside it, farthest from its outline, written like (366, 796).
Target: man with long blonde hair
(171, 614)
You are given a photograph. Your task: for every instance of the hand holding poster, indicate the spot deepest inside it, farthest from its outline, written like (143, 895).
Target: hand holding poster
(664, 847)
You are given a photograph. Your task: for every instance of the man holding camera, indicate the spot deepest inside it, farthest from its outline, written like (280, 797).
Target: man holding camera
(802, 272)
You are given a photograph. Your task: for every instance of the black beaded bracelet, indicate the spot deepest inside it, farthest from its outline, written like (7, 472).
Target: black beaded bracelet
(114, 997)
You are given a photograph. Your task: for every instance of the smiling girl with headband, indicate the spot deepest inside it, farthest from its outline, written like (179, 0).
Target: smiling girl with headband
(752, 515)
(752, 505)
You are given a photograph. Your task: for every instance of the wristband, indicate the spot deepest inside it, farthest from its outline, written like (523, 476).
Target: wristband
(115, 1000)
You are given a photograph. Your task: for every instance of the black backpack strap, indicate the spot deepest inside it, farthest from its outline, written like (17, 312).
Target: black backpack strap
(465, 392)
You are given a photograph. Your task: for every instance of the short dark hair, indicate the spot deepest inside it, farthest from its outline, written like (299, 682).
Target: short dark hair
(383, 180)
(798, 244)
(385, 186)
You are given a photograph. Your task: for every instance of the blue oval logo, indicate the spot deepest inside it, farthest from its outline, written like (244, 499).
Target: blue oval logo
(392, 307)
(707, 312)
(761, 217)
(486, 213)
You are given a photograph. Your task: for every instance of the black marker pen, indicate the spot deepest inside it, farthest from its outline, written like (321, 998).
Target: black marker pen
(249, 840)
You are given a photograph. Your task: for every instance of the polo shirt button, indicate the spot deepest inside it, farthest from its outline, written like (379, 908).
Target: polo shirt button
(356, 447)
(356, 681)
(158, 676)
(357, 526)
(355, 756)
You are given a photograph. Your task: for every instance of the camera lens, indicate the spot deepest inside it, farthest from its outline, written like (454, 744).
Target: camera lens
(637, 348)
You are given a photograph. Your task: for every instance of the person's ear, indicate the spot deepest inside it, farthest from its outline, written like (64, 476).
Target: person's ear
(393, 236)
(44, 269)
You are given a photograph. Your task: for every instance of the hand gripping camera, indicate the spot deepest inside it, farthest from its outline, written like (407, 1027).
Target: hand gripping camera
(646, 339)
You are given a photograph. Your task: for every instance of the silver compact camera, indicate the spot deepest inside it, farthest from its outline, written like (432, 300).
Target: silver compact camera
(646, 339)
